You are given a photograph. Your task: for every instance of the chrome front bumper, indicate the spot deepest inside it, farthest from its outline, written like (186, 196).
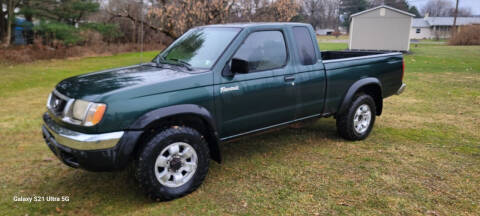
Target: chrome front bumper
(401, 89)
(81, 141)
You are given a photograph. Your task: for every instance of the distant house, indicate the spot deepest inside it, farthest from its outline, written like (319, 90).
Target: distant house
(325, 31)
(380, 28)
(438, 27)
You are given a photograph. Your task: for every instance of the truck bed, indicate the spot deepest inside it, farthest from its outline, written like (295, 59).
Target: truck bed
(343, 68)
(334, 55)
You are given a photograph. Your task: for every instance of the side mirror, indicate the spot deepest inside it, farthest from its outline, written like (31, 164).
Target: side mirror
(227, 72)
(239, 66)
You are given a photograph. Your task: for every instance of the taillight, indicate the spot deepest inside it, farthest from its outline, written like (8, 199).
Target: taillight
(403, 68)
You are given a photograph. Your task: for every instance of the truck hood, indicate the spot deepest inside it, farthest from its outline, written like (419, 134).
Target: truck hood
(133, 81)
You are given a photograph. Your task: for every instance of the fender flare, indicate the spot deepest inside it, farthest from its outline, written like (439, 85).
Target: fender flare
(347, 99)
(154, 116)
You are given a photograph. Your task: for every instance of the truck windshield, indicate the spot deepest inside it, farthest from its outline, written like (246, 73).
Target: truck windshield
(199, 48)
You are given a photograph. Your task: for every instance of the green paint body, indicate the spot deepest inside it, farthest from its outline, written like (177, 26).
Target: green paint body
(259, 100)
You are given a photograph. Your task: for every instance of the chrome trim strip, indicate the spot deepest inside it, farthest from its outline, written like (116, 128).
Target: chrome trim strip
(69, 102)
(48, 100)
(60, 95)
(401, 89)
(67, 107)
(81, 141)
(65, 115)
(361, 57)
(272, 126)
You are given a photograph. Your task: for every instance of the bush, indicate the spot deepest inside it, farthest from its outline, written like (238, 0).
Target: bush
(38, 51)
(51, 31)
(468, 35)
(91, 38)
(109, 32)
(69, 35)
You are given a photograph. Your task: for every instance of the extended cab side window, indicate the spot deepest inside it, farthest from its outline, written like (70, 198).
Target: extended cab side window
(305, 47)
(264, 50)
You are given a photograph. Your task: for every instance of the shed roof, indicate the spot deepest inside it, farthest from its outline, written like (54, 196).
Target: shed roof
(382, 6)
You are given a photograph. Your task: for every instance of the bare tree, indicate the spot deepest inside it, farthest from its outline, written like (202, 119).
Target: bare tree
(443, 8)
(462, 12)
(438, 8)
(170, 18)
(131, 11)
(126, 14)
(332, 14)
(264, 10)
(314, 10)
(321, 13)
(173, 18)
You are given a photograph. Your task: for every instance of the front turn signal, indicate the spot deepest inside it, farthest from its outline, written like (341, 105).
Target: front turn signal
(95, 114)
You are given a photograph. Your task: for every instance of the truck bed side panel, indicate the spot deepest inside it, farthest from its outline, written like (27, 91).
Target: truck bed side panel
(342, 74)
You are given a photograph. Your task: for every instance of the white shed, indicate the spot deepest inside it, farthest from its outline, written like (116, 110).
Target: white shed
(380, 28)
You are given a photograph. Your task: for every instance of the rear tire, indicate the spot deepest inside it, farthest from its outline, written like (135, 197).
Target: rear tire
(357, 121)
(173, 163)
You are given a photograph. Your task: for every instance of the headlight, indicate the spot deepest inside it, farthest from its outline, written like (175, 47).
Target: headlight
(87, 113)
(80, 109)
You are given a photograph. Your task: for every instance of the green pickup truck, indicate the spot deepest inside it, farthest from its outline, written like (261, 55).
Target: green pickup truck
(213, 84)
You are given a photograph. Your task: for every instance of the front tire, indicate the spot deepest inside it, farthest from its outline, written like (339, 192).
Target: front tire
(357, 121)
(173, 163)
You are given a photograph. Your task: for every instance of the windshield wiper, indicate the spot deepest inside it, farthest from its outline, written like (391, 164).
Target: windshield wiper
(182, 62)
(160, 60)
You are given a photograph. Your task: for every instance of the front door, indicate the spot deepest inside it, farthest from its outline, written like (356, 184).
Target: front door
(262, 97)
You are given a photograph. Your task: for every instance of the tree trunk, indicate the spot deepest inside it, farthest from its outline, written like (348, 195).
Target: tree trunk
(2, 22)
(10, 9)
(134, 31)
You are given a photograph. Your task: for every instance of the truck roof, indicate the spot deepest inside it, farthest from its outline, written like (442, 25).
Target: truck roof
(254, 24)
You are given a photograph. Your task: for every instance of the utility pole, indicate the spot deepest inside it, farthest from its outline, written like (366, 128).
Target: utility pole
(454, 28)
(141, 32)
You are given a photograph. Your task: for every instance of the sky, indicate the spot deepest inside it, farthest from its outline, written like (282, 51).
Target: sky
(473, 4)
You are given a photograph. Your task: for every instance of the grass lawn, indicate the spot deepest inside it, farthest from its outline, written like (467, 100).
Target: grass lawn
(331, 38)
(423, 156)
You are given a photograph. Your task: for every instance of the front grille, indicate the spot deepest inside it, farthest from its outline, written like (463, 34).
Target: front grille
(57, 103)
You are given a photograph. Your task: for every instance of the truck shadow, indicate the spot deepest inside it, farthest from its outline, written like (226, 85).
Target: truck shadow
(270, 142)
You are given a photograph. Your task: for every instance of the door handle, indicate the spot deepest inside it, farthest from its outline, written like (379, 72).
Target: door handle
(289, 78)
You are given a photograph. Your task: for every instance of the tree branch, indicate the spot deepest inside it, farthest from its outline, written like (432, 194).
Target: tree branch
(130, 17)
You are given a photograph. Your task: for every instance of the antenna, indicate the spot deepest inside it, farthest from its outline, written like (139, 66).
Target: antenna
(141, 32)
